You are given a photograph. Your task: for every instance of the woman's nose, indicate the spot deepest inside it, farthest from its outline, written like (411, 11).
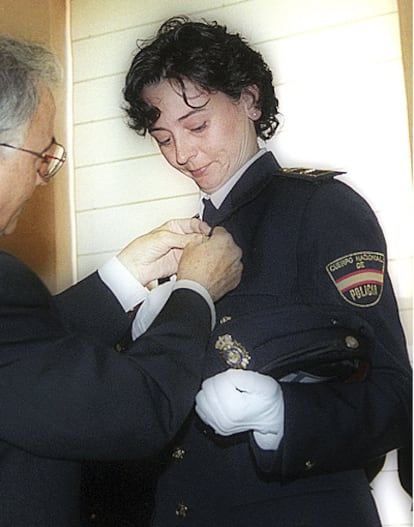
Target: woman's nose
(183, 152)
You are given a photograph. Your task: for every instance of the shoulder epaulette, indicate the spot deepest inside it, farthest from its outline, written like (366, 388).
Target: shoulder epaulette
(310, 173)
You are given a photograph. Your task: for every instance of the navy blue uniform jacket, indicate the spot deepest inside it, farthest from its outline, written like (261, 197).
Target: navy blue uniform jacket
(314, 259)
(66, 395)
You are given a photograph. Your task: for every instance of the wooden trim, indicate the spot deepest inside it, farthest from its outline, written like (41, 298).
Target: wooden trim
(405, 12)
(43, 236)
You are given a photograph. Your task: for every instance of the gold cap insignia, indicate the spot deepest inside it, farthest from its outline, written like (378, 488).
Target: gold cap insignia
(232, 352)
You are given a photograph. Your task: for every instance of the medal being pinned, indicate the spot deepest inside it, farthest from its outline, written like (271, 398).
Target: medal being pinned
(232, 352)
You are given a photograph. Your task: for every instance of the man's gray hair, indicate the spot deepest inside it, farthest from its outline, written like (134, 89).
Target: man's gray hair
(23, 66)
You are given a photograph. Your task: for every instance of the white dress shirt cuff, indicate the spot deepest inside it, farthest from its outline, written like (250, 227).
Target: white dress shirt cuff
(157, 299)
(122, 283)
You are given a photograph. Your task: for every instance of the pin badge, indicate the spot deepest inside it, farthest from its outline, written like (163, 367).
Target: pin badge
(232, 352)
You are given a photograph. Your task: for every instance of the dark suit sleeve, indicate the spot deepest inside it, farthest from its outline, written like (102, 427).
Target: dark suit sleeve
(90, 308)
(338, 426)
(69, 397)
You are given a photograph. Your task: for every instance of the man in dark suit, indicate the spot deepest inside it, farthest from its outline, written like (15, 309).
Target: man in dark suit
(66, 394)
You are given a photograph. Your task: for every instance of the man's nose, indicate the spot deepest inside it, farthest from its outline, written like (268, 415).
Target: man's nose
(41, 181)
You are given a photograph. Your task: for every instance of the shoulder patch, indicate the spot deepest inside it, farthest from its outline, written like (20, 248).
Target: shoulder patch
(311, 173)
(359, 277)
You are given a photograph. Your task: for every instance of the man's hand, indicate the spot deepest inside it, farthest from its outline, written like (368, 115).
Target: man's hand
(239, 401)
(215, 263)
(157, 253)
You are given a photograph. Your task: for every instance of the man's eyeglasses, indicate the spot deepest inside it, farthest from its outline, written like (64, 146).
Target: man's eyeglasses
(53, 158)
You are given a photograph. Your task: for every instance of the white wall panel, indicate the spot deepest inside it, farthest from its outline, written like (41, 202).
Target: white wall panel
(334, 53)
(98, 99)
(106, 230)
(401, 272)
(263, 20)
(397, 223)
(106, 54)
(88, 262)
(407, 323)
(103, 16)
(110, 140)
(272, 19)
(110, 53)
(133, 181)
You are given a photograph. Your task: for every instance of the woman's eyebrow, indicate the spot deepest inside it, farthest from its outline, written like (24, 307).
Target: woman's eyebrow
(190, 113)
(180, 119)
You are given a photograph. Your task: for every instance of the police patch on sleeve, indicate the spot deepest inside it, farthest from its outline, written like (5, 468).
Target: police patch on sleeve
(359, 277)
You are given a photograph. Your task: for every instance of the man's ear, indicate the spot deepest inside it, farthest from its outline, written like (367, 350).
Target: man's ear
(250, 98)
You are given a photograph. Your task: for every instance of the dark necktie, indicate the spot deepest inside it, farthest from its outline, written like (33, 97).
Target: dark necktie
(209, 212)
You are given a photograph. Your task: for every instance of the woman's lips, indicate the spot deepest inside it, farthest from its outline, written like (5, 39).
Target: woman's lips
(198, 172)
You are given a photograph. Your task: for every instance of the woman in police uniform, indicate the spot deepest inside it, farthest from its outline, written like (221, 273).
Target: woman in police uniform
(307, 374)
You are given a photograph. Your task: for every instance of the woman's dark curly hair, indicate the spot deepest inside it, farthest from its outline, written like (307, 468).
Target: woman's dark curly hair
(207, 55)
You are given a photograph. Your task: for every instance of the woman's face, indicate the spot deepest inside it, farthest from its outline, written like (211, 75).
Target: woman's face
(209, 140)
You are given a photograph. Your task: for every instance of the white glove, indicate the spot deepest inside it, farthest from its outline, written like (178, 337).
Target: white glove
(239, 400)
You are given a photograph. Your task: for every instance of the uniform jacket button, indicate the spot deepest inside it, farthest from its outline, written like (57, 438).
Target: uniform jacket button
(309, 465)
(178, 453)
(181, 510)
(351, 342)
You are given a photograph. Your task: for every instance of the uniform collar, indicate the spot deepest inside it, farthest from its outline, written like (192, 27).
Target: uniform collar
(220, 195)
(254, 180)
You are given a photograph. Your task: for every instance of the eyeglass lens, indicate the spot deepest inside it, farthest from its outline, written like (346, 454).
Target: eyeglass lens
(53, 160)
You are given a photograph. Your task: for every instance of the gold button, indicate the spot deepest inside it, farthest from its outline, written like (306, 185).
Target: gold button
(181, 510)
(178, 453)
(225, 319)
(309, 465)
(351, 342)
